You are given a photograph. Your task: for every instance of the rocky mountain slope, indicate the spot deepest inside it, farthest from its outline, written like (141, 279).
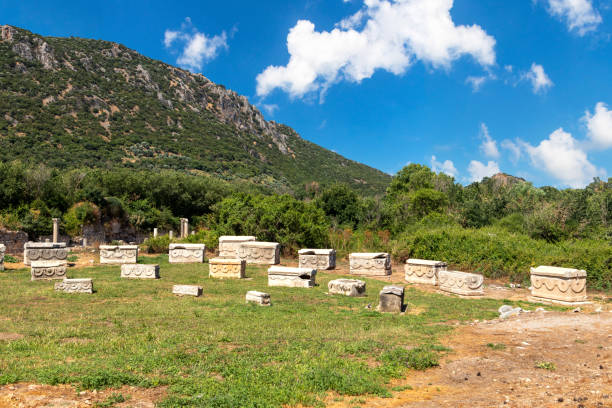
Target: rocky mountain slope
(71, 102)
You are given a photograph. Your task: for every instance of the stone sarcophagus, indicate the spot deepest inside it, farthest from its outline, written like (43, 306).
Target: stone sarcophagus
(44, 251)
(75, 286)
(44, 270)
(118, 254)
(136, 271)
(346, 287)
(461, 283)
(291, 277)
(260, 253)
(187, 253)
(423, 271)
(229, 245)
(261, 298)
(560, 285)
(187, 290)
(227, 268)
(2, 251)
(320, 259)
(391, 299)
(370, 264)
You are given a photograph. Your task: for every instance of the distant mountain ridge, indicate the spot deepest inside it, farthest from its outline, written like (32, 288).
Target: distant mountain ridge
(71, 102)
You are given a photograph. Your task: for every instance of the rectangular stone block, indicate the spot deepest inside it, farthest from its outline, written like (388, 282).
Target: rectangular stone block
(2, 251)
(136, 271)
(44, 251)
(320, 259)
(226, 268)
(75, 286)
(370, 264)
(346, 287)
(118, 254)
(558, 284)
(260, 253)
(45, 270)
(391, 299)
(261, 298)
(229, 245)
(187, 253)
(187, 290)
(461, 283)
(291, 277)
(423, 271)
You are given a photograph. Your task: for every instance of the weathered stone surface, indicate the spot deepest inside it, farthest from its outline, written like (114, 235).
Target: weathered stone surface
(291, 277)
(261, 253)
(558, 284)
(43, 270)
(44, 251)
(226, 268)
(261, 298)
(370, 264)
(136, 271)
(423, 271)
(187, 253)
(320, 259)
(75, 286)
(229, 245)
(2, 251)
(118, 254)
(461, 283)
(187, 290)
(347, 287)
(391, 299)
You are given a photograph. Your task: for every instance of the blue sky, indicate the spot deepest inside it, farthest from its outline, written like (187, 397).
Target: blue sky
(470, 87)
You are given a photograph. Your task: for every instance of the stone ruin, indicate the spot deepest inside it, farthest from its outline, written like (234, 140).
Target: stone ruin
(118, 254)
(261, 298)
(136, 271)
(47, 270)
(291, 277)
(44, 252)
(75, 286)
(347, 287)
(187, 253)
(423, 271)
(558, 285)
(391, 299)
(461, 283)
(229, 245)
(260, 253)
(187, 290)
(370, 264)
(320, 259)
(226, 268)
(2, 251)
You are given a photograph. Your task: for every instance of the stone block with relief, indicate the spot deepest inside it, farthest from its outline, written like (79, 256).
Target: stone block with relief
(370, 264)
(260, 253)
(136, 271)
(229, 245)
(187, 290)
(558, 285)
(226, 268)
(423, 271)
(346, 287)
(186, 253)
(118, 254)
(44, 252)
(461, 283)
(291, 277)
(75, 286)
(2, 251)
(261, 298)
(46, 270)
(320, 259)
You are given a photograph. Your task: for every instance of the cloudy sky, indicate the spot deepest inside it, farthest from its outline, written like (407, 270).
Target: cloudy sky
(469, 87)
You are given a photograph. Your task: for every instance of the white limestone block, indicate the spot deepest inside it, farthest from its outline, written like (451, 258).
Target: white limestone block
(226, 268)
(347, 287)
(261, 298)
(140, 271)
(320, 259)
(260, 253)
(187, 290)
(75, 286)
(46, 270)
(118, 254)
(461, 283)
(229, 245)
(563, 285)
(291, 277)
(370, 264)
(187, 253)
(423, 271)
(44, 251)
(2, 251)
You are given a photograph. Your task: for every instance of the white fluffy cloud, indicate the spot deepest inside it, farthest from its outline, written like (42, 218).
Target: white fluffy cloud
(197, 47)
(488, 146)
(579, 15)
(479, 170)
(538, 78)
(599, 125)
(385, 34)
(513, 148)
(446, 167)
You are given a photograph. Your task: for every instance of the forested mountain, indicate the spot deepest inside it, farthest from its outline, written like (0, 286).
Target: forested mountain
(71, 102)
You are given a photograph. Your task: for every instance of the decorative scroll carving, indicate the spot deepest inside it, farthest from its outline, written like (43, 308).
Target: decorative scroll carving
(224, 268)
(135, 271)
(118, 254)
(187, 253)
(559, 284)
(229, 245)
(423, 271)
(187, 290)
(370, 264)
(291, 277)
(320, 259)
(347, 287)
(261, 298)
(261, 253)
(44, 251)
(461, 283)
(45, 270)
(75, 286)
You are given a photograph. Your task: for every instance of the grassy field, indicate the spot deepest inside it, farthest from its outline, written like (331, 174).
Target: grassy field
(217, 351)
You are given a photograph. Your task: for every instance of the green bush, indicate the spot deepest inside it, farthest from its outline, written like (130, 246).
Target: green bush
(83, 213)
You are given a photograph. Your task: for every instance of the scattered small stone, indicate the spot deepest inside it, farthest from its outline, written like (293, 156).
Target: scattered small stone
(560, 399)
(598, 310)
(577, 310)
(504, 309)
(478, 374)
(540, 309)
(601, 367)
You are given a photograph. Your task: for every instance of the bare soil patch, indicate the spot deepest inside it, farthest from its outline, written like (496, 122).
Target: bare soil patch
(10, 336)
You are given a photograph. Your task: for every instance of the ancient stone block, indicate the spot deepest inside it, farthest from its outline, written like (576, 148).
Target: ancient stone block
(2, 251)
(118, 254)
(347, 287)
(229, 245)
(291, 277)
(187, 290)
(43, 270)
(562, 285)
(187, 253)
(261, 253)
(320, 259)
(226, 268)
(44, 251)
(423, 271)
(391, 299)
(261, 298)
(136, 271)
(461, 283)
(75, 286)
(370, 264)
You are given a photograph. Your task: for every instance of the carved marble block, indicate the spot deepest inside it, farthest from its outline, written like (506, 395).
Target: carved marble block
(261, 253)
(291, 277)
(347, 287)
(320, 259)
(558, 284)
(118, 254)
(187, 253)
(44, 270)
(187, 290)
(461, 283)
(44, 251)
(136, 271)
(423, 271)
(226, 268)
(261, 298)
(229, 245)
(391, 299)
(370, 264)
(2, 251)
(75, 286)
